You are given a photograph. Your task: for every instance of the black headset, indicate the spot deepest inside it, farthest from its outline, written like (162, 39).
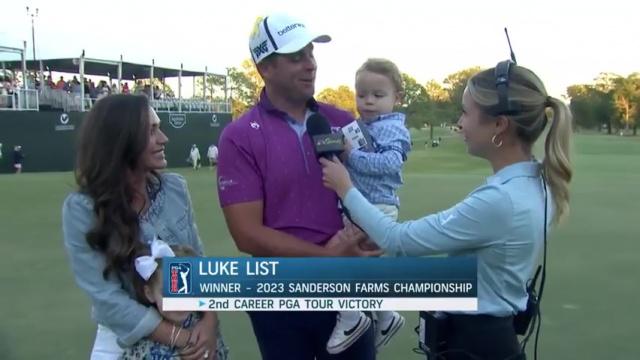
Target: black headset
(502, 75)
(504, 105)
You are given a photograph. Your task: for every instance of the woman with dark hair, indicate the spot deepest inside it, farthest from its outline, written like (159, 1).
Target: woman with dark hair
(123, 202)
(503, 223)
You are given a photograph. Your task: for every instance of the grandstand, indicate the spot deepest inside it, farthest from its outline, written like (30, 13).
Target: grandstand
(43, 116)
(48, 97)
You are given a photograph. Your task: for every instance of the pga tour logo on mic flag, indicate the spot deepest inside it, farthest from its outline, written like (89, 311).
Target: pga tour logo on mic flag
(180, 278)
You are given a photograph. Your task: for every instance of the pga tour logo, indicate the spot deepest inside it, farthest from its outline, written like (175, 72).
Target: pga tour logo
(180, 278)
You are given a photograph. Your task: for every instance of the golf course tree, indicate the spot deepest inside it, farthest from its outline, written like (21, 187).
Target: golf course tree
(342, 97)
(626, 97)
(612, 100)
(592, 107)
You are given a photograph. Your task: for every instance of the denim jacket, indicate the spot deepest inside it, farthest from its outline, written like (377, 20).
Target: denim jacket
(170, 216)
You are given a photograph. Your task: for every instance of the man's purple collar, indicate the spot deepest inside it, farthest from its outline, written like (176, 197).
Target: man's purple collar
(267, 105)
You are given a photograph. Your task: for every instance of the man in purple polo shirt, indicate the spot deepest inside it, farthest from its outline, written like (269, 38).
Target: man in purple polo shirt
(270, 184)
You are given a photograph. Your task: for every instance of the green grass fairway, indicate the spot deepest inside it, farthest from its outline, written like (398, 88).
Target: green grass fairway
(590, 308)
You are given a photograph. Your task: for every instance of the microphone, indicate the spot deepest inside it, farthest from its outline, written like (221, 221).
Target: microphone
(327, 145)
(324, 142)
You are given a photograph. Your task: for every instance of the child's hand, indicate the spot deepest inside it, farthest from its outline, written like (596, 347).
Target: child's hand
(348, 147)
(347, 150)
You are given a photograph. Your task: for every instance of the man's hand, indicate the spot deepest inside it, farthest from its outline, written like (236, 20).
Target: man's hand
(367, 244)
(347, 242)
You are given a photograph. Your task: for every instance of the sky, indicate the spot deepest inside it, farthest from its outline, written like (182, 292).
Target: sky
(564, 42)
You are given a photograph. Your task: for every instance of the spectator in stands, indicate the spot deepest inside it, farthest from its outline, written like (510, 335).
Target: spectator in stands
(106, 88)
(157, 93)
(31, 82)
(8, 94)
(60, 85)
(103, 89)
(125, 88)
(147, 91)
(50, 82)
(137, 88)
(75, 86)
(4, 94)
(93, 91)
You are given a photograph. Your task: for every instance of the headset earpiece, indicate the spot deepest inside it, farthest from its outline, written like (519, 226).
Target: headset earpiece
(502, 75)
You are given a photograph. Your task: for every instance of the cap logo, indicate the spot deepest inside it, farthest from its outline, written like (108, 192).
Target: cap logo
(262, 48)
(289, 28)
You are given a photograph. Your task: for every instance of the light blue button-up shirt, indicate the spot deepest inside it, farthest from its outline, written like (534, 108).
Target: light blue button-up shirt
(500, 222)
(378, 174)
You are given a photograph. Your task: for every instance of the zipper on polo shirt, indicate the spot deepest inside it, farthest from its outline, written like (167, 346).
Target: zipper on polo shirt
(300, 135)
(304, 155)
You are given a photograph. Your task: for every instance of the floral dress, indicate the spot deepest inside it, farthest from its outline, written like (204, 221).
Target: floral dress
(150, 350)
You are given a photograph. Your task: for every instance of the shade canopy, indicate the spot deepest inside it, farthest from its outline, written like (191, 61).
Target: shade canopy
(130, 71)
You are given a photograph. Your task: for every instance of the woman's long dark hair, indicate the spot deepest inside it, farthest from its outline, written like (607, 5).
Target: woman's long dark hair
(112, 139)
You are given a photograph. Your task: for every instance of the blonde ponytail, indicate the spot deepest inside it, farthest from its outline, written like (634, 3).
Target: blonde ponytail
(557, 162)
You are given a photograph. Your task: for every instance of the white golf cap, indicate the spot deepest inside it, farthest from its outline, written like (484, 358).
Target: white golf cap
(282, 34)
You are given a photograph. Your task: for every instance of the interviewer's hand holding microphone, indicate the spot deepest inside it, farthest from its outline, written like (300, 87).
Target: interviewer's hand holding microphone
(335, 176)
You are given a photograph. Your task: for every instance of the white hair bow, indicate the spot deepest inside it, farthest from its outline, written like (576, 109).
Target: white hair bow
(147, 265)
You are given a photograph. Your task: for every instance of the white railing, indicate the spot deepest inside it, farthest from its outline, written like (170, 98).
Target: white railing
(190, 105)
(7, 102)
(60, 99)
(20, 100)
